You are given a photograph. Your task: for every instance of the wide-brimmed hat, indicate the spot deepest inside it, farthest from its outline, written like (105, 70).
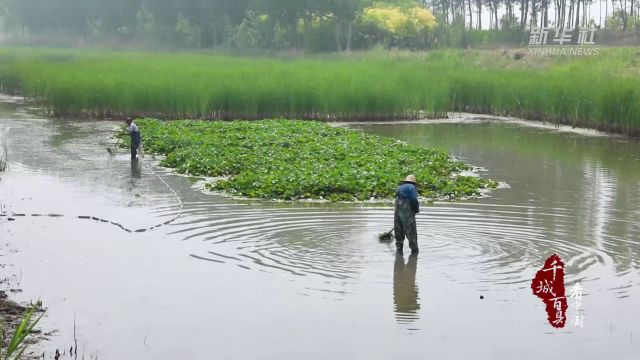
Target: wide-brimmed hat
(411, 179)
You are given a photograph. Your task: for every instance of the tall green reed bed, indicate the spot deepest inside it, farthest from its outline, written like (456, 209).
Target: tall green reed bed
(594, 91)
(293, 159)
(220, 86)
(598, 101)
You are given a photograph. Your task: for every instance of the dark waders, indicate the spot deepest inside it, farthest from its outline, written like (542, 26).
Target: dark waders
(404, 224)
(135, 144)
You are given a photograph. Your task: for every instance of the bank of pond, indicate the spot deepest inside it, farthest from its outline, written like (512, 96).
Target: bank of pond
(294, 160)
(600, 91)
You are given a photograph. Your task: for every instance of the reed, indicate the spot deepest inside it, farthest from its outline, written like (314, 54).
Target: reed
(597, 91)
(14, 348)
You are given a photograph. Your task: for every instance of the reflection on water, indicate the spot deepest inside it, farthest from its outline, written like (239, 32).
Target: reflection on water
(405, 290)
(572, 195)
(136, 172)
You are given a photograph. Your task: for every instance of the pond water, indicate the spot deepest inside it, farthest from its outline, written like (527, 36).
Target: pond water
(233, 279)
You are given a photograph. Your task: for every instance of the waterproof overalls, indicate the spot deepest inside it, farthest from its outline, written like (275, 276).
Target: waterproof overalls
(135, 139)
(404, 222)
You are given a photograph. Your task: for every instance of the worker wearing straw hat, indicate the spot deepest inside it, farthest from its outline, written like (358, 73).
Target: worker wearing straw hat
(406, 208)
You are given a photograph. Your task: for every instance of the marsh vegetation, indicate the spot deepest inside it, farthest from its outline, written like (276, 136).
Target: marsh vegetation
(288, 159)
(597, 92)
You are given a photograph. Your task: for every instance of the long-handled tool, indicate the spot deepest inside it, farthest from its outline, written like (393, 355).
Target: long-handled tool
(115, 146)
(386, 236)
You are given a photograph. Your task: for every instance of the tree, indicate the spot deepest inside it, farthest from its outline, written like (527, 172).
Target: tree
(345, 13)
(408, 27)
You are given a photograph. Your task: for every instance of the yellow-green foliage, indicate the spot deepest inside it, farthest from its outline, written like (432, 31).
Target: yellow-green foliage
(400, 21)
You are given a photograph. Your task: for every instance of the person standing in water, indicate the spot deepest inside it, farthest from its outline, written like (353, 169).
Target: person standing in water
(134, 132)
(404, 219)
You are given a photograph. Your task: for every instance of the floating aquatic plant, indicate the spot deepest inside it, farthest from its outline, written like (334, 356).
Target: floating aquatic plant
(293, 159)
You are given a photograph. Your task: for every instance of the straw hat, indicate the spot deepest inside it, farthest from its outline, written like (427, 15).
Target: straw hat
(411, 179)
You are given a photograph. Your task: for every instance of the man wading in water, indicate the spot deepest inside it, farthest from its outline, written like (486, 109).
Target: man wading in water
(406, 208)
(133, 131)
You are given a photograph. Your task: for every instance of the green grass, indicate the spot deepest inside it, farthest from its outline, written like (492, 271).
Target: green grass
(14, 347)
(207, 86)
(289, 159)
(593, 91)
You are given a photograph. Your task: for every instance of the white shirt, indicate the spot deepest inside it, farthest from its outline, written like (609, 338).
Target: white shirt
(132, 128)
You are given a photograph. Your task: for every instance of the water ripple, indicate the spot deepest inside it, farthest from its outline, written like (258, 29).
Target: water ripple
(500, 244)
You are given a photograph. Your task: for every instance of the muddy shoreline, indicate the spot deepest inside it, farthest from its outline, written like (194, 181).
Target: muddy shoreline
(544, 119)
(11, 313)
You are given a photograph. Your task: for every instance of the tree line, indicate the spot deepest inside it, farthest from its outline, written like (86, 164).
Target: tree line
(317, 25)
(612, 14)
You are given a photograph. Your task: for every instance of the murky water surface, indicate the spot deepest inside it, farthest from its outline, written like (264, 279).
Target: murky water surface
(261, 280)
